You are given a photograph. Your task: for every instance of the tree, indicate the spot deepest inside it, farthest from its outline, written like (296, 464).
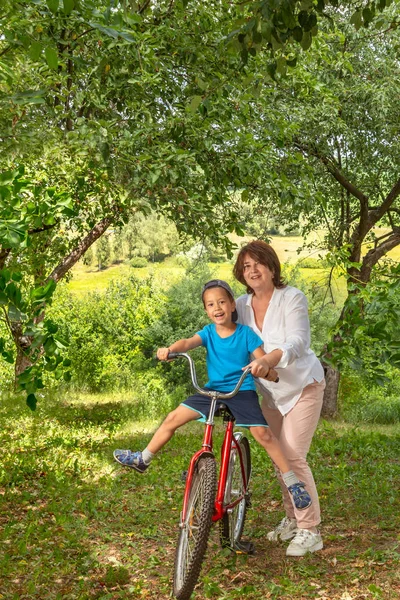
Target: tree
(334, 122)
(103, 251)
(117, 247)
(152, 237)
(124, 109)
(88, 257)
(109, 131)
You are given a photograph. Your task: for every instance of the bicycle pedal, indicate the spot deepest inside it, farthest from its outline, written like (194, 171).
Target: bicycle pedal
(248, 500)
(244, 547)
(184, 475)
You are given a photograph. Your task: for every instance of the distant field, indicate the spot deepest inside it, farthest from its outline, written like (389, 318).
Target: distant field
(88, 278)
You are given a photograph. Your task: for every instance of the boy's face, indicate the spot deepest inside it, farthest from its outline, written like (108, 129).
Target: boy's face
(219, 306)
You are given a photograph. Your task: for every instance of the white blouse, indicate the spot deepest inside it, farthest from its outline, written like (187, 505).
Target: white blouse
(286, 327)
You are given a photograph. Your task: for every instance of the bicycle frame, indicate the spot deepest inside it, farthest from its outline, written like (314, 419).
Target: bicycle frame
(207, 449)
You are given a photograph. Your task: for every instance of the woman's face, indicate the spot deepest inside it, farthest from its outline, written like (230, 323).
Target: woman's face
(257, 276)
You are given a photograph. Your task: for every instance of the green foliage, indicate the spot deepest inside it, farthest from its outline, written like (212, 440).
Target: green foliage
(151, 237)
(369, 326)
(361, 402)
(88, 257)
(312, 263)
(323, 311)
(281, 27)
(138, 262)
(103, 251)
(106, 332)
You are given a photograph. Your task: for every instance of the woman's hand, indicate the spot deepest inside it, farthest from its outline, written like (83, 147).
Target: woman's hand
(259, 368)
(162, 353)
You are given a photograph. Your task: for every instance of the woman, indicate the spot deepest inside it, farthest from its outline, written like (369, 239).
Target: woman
(278, 313)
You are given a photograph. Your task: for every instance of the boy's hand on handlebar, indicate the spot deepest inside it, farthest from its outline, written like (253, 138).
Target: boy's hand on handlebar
(162, 353)
(260, 369)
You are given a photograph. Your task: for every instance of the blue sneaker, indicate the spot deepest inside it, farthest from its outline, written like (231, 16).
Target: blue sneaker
(301, 497)
(127, 458)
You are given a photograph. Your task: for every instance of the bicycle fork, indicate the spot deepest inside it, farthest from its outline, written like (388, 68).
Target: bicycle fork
(206, 450)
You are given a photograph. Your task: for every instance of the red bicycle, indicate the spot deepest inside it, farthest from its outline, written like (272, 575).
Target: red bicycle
(207, 500)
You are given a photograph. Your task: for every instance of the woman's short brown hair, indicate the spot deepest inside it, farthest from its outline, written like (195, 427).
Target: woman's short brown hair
(264, 254)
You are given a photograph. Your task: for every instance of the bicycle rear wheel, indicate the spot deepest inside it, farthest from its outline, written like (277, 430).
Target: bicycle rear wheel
(232, 523)
(193, 537)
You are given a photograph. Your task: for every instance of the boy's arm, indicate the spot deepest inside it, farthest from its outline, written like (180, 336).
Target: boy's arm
(260, 366)
(180, 346)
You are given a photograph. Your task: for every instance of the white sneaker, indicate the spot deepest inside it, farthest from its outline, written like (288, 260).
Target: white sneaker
(303, 542)
(286, 529)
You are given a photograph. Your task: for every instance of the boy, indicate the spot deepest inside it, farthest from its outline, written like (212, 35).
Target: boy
(228, 346)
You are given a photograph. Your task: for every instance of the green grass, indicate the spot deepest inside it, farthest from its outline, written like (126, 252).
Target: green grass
(75, 526)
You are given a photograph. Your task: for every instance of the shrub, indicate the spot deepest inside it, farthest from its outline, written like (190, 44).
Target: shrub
(361, 402)
(106, 331)
(312, 263)
(138, 262)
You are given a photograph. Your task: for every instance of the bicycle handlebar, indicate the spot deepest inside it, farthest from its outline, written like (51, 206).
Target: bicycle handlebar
(202, 391)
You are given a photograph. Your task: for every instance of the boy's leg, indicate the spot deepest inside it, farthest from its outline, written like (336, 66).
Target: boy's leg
(266, 438)
(171, 423)
(141, 460)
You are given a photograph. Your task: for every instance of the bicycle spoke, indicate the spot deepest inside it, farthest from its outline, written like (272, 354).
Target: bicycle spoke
(232, 524)
(193, 537)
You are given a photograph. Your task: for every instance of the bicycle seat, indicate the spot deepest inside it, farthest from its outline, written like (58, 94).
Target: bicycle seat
(223, 411)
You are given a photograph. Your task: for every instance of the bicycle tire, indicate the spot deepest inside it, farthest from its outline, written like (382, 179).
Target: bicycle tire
(232, 523)
(193, 537)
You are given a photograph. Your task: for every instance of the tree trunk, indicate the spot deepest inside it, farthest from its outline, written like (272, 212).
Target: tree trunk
(22, 343)
(22, 362)
(330, 402)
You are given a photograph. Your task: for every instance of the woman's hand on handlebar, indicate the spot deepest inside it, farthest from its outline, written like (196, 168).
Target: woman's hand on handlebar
(162, 353)
(260, 369)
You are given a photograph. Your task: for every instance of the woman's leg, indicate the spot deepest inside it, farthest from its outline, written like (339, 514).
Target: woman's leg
(171, 423)
(295, 436)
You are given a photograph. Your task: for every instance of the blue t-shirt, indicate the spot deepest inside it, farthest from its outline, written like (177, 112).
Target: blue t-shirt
(226, 357)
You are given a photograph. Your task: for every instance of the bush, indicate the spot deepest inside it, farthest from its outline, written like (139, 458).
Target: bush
(312, 263)
(114, 335)
(360, 402)
(106, 331)
(137, 262)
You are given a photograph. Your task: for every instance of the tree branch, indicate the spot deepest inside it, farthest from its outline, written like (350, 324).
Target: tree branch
(4, 252)
(69, 261)
(331, 165)
(40, 229)
(143, 8)
(84, 33)
(5, 50)
(378, 213)
(375, 254)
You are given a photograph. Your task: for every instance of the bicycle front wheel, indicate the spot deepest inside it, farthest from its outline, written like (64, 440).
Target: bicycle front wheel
(232, 523)
(193, 537)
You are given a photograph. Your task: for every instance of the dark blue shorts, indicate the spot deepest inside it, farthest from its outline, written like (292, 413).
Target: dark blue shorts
(245, 407)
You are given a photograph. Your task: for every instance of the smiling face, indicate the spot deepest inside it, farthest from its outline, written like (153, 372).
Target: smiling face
(257, 276)
(219, 306)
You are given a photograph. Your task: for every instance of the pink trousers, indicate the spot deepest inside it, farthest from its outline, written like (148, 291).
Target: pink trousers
(295, 431)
